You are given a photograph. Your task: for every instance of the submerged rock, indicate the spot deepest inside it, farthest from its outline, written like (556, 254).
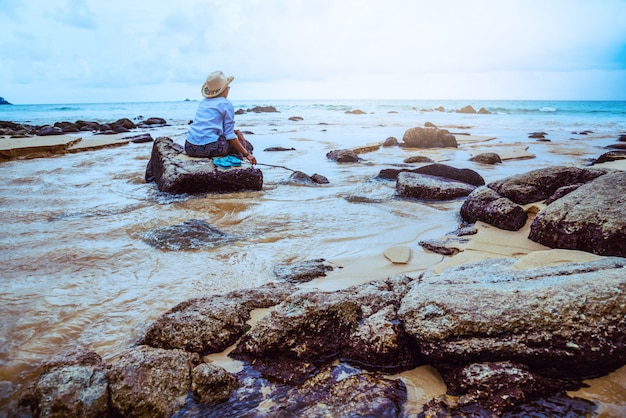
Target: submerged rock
(175, 174)
(423, 186)
(464, 175)
(189, 235)
(303, 271)
(343, 156)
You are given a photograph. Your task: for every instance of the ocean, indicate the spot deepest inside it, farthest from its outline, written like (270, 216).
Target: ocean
(75, 269)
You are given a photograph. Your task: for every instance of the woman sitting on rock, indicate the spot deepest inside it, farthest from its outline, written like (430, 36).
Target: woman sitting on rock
(212, 132)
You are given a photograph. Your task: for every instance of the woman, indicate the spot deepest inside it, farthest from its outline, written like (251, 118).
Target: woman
(212, 132)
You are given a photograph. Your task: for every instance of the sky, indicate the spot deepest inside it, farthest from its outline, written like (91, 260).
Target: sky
(94, 51)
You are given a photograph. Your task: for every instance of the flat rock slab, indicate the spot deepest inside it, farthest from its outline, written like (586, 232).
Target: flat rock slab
(398, 255)
(514, 151)
(174, 172)
(45, 146)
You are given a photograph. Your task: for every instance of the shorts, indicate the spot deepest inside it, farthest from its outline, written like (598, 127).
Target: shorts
(219, 148)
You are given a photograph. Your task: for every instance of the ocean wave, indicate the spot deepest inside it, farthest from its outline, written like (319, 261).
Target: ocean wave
(548, 109)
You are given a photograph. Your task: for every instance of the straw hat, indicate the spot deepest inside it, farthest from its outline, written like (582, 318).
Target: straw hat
(215, 84)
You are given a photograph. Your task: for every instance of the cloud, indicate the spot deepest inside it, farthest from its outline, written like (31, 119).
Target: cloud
(54, 51)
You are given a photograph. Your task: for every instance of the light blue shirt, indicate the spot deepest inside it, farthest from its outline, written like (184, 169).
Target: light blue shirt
(214, 117)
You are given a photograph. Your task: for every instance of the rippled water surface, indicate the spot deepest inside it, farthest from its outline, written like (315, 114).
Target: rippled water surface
(75, 269)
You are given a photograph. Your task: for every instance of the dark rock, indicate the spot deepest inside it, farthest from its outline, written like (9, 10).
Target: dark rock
(616, 146)
(464, 175)
(155, 121)
(590, 218)
(273, 149)
(486, 205)
(139, 139)
(343, 156)
(358, 324)
(538, 185)
(72, 384)
(428, 138)
(538, 135)
(565, 321)
(296, 118)
(341, 391)
(212, 384)
(210, 324)
(120, 129)
(610, 156)
(622, 138)
(445, 246)
(562, 191)
(49, 130)
(487, 158)
(126, 123)
(424, 186)
(240, 112)
(175, 175)
(466, 109)
(150, 382)
(319, 179)
(68, 127)
(189, 235)
(430, 125)
(263, 109)
(304, 271)
(418, 159)
(298, 177)
(391, 142)
(490, 389)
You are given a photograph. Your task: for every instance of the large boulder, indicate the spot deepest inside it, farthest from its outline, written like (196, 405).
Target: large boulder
(464, 175)
(210, 324)
(150, 382)
(173, 173)
(188, 235)
(428, 138)
(358, 324)
(486, 205)
(423, 186)
(565, 321)
(590, 218)
(72, 384)
(540, 184)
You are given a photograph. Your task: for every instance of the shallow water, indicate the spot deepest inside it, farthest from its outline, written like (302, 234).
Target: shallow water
(75, 269)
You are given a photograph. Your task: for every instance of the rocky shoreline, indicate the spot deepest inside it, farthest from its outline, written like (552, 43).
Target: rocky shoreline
(504, 333)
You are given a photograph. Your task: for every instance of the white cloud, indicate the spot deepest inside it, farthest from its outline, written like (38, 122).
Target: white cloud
(89, 50)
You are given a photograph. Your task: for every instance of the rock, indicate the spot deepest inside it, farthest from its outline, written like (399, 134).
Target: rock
(610, 156)
(565, 321)
(150, 382)
(391, 142)
(263, 109)
(423, 186)
(312, 328)
(484, 111)
(304, 271)
(487, 158)
(49, 130)
(210, 324)
(466, 109)
(72, 384)
(67, 127)
(174, 174)
(444, 246)
(486, 205)
(189, 235)
(126, 123)
(212, 384)
(398, 255)
(296, 118)
(341, 391)
(418, 159)
(274, 149)
(622, 138)
(538, 185)
(319, 179)
(464, 175)
(619, 146)
(428, 138)
(155, 121)
(490, 389)
(590, 218)
(343, 156)
(430, 125)
(355, 112)
(298, 177)
(538, 135)
(140, 139)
